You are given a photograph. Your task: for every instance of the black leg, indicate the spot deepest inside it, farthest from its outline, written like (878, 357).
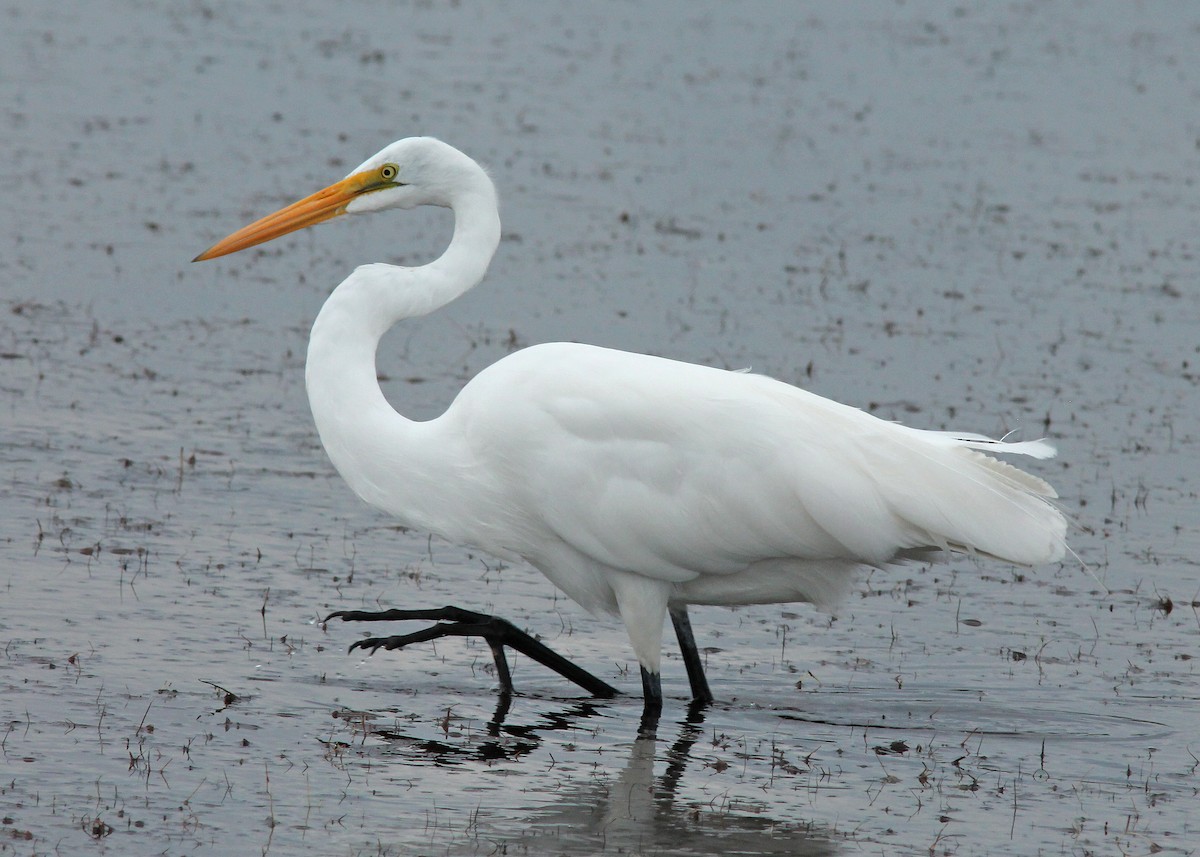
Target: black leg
(455, 622)
(652, 703)
(691, 657)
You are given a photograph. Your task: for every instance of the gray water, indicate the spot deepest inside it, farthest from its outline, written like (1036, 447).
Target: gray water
(980, 216)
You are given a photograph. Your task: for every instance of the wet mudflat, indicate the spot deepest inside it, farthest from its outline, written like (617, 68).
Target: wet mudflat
(980, 217)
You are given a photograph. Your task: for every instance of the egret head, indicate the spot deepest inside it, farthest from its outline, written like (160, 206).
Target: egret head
(410, 172)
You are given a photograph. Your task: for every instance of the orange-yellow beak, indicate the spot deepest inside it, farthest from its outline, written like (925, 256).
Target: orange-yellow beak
(323, 205)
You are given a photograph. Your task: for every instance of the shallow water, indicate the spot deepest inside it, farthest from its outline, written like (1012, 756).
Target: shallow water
(980, 217)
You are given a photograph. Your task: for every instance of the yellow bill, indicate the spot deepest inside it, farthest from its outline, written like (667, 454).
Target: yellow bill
(323, 205)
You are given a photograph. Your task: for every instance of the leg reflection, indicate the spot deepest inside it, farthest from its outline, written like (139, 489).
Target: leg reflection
(641, 812)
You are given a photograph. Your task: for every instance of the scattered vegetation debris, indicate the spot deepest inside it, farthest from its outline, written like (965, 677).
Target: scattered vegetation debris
(896, 748)
(228, 696)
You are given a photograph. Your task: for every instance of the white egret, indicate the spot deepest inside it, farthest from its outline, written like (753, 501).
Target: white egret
(637, 484)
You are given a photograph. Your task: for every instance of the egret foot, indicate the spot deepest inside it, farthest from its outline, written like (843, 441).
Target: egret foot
(456, 622)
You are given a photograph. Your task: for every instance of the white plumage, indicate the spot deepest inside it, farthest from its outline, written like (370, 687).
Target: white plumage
(634, 483)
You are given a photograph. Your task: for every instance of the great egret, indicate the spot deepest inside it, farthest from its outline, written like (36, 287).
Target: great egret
(637, 484)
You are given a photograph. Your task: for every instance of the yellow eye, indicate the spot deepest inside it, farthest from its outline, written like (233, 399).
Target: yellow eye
(388, 172)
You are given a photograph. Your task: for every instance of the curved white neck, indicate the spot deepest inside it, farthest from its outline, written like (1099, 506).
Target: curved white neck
(388, 460)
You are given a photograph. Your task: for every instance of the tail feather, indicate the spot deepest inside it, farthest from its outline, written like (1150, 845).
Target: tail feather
(1015, 475)
(977, 503)
(1033, 448)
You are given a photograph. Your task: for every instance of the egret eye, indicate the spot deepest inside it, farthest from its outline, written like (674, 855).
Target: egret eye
(388, 172)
